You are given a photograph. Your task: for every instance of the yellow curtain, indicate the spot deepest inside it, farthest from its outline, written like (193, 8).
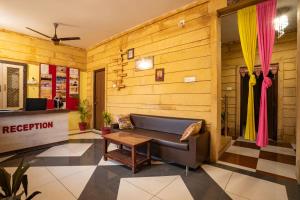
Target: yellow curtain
(248, 33)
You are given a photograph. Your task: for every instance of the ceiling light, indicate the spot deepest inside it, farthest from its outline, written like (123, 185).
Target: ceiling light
(280, 23)
(144, 63)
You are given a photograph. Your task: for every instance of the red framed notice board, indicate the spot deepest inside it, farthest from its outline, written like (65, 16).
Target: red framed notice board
(59, 81)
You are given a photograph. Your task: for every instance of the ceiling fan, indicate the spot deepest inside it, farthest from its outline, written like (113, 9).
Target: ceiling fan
(56, 40)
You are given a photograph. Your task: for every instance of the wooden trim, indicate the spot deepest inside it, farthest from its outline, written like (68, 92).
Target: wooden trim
(298, 99)
(235, 7)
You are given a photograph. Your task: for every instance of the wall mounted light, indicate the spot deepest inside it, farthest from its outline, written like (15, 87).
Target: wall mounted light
(144, 63)
(280, 23)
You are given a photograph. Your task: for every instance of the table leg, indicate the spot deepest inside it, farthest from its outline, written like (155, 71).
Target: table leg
(149, 153)
(133, 157)
(105, 150)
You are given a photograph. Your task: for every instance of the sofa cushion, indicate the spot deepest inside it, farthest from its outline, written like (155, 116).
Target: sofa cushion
(162, 124)
(124, 122)
(167, 139)
(192, 129)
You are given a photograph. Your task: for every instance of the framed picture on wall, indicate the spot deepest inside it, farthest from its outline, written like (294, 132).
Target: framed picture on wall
(160, 74)
(130, 54)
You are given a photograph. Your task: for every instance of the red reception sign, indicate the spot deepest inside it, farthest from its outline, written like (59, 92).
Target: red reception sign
(26, 127)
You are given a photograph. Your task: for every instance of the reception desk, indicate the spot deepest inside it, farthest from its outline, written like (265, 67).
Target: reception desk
(26, 129)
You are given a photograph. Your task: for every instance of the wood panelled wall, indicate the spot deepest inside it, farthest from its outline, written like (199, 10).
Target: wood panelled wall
(284, 54)
(188, 51)
(26, 49)
(181, 51)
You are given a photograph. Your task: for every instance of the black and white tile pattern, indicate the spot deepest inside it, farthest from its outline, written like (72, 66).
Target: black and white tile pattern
(76, 170)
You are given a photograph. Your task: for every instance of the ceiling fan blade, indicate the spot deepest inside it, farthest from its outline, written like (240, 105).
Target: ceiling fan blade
(38, 32)
(69, 38)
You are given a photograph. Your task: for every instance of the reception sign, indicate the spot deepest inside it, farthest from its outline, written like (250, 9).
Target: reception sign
(19, 132)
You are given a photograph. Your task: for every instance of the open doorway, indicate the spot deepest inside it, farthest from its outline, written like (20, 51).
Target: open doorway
(282, 98)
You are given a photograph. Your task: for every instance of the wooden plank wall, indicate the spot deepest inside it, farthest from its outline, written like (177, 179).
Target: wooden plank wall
(284, 53)
(181, 51)
(31, 50)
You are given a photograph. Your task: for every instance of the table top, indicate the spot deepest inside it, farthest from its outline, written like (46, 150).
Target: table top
(127, 138)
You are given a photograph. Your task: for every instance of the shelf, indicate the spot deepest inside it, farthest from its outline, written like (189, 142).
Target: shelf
(124, 156)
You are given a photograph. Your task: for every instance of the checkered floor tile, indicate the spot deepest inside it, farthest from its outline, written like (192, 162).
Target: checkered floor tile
(277, 159)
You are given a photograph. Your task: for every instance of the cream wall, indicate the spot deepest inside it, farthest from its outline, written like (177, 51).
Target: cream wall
(182, 52)
(284, 54)
(33, 51)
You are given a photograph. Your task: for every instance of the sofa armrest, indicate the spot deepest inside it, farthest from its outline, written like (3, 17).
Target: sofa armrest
(199, 146)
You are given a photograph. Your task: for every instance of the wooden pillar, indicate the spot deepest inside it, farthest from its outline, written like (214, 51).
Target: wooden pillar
(298, 98)
(215, 49)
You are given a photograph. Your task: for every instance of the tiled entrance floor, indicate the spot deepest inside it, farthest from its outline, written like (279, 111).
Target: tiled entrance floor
(76, 170)
(275, 159)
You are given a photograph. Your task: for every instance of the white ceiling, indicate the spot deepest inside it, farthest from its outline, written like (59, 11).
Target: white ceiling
(229, 27)
(92, 20)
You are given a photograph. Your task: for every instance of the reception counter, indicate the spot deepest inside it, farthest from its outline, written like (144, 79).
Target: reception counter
(26, 129)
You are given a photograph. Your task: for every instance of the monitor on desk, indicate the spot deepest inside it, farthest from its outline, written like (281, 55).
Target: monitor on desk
(36, 104)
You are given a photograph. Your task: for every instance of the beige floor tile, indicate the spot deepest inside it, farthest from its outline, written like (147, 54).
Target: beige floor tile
(70, 150)
(127, 191)
(63, 171)
(177, 190)
(152, 185)
(37, 176)
(235, 197)
(53, 190)
(280, 150)
(277, 168)
(236, 166)
(243, 151)
(220, 176)
(254, 188)
(77, 182)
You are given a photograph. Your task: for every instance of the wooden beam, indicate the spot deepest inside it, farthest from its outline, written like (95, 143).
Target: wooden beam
(235, 7)
(298, 100)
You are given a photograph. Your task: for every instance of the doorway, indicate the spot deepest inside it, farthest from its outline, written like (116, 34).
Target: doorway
(272, 105)
(12, 80)
(99, 98)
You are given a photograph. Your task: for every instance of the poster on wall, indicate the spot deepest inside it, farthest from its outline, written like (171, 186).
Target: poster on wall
(46, 82)
(61, 83)
(74, 83)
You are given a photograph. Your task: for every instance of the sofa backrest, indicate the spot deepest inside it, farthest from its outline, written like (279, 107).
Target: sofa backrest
(163, 124)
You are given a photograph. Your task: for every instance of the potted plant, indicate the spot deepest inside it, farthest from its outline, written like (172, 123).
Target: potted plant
(83, 109)
(107, 122)
(10, 185)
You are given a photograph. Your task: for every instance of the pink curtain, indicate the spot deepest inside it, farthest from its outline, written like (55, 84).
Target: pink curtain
(266, 13)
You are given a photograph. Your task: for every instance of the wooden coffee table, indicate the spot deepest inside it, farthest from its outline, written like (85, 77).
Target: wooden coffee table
(130, 158)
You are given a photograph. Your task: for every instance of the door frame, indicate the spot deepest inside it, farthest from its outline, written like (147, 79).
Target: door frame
(24, 77)
(94, 93)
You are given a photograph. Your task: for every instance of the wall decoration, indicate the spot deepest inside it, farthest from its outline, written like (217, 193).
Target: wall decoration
(130, 54)
(119, 62)
(46, 82)
(74, 82)
(60, 82)
(160, 74)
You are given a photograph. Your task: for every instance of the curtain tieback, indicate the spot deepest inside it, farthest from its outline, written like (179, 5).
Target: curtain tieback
(267, 82)
(252, 80)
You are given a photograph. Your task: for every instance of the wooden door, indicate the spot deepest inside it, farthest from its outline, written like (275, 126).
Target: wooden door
(99, 98)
